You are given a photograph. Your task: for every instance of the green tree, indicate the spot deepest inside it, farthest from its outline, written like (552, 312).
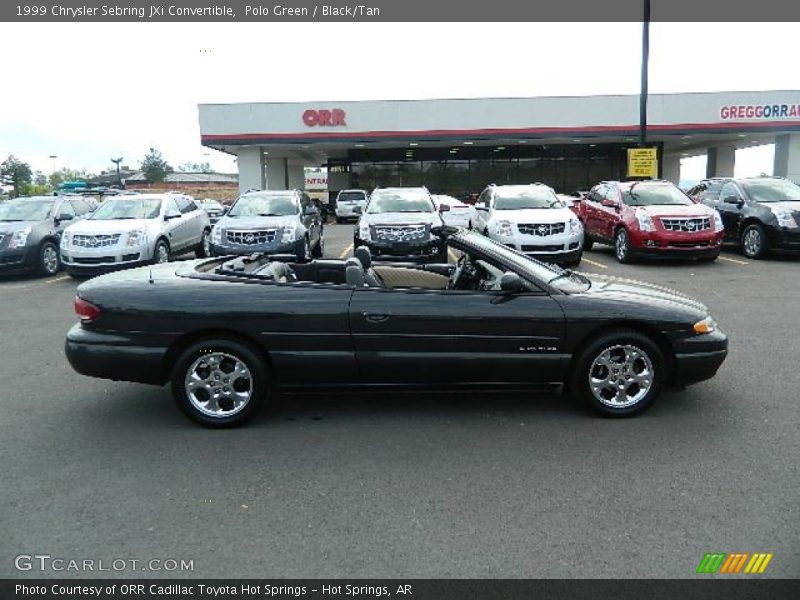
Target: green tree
(154, 167)
(16, 173)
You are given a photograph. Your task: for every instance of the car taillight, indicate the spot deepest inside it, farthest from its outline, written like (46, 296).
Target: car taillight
(87, 311)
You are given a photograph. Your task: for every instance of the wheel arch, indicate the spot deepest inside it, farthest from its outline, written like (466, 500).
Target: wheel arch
(646, 329)
(177, 347)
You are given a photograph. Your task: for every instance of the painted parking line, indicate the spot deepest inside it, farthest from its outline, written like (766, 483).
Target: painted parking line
(346, 251)
(594, 264)
(733, 260)
(62, 278)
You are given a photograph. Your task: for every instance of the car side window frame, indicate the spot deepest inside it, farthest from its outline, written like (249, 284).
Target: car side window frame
(66, 204)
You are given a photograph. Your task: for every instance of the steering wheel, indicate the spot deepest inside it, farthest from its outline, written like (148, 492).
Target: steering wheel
(456, 274)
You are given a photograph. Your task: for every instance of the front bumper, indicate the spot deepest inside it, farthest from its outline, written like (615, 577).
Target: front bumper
(19, 260)
(784, 239)
(85, 260)
(699, 358)
(348, 211)
(245, 249)
(562, 247)
(403, 251)
(114, 357)
(670, 244)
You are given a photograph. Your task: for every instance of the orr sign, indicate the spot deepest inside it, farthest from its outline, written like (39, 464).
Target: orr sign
(324, 118)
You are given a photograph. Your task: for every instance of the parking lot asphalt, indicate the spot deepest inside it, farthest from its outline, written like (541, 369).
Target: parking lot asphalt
(411, 485)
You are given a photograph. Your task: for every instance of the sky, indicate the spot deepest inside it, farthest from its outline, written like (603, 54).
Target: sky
(89, 92)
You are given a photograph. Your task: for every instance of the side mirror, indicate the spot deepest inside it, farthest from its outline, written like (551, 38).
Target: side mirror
(511, 283)
(733, 200)
(172, 215)
(444, 208)
(64, 217)
(609, 203)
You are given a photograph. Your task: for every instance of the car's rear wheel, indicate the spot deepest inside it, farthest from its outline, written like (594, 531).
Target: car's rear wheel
(588, 243)
(204, 250)
(754, 241)
(319, 249)
(219, 383)
(619, 374)
(161, 252)
(622, 246)
(49, 260)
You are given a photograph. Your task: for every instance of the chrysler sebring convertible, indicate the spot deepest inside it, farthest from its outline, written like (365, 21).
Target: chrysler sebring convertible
(230, 333)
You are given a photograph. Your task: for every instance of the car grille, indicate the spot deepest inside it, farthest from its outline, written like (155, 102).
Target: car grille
(541, 229)
(700, 244)
(401, 233)
(94, 260)
(95, 241)
(689, 225)
(251, 238)
(551, 248)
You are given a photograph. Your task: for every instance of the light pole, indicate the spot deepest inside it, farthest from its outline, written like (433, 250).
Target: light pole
(53, 157)
(645, 60)
(116, 161)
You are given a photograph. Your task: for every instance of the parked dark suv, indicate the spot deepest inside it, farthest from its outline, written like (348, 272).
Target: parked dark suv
(761, 214)
(708, 189)
(30, 231)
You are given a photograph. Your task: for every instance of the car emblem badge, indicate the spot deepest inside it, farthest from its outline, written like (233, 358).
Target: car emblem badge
(249, 238)
(542, 229)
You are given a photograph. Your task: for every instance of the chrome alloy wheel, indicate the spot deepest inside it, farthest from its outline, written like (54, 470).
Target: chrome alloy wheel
(162, 253)
(752, 242)
(621, 376)
(218, 384)
(622, 245)
(206, 243)
(50, 260)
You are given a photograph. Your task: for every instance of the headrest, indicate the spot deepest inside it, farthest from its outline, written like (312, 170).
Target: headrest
(364, 256)
(354, 273)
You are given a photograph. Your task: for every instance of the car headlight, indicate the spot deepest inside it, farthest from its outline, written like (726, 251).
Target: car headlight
(575, 226)
(363, 231)
(503, 228)
(288, 234)
(137, 237)
(66, 238)
(707, 325)
(645, 221)
(216, 235)
(19, 238)
(785, 218)
(718, 226)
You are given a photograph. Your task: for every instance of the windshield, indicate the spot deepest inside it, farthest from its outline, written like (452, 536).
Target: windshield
(772, 190)
(25, 210)
(397, 201)
(526, 198)
(654, 195)
(129, 208)
(352, 197)
(263, 205)
(211, 204)
(561, 279)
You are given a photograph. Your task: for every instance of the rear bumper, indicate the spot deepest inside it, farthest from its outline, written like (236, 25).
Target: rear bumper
(113, 357)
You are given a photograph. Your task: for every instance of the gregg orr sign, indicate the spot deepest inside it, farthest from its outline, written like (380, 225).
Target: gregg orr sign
(760, 111)
(324, 118)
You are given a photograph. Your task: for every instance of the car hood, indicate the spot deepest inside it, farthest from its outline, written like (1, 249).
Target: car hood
(623, 290)
(12, 226)
(254, 223)
(101, 226)
(674, 210)
(792, 205)
(534, 215)
(403, 218)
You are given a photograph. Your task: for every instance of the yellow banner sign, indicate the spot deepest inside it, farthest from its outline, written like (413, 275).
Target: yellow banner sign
(642, 162)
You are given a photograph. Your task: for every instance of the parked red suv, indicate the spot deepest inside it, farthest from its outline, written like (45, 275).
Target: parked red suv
(652, 218)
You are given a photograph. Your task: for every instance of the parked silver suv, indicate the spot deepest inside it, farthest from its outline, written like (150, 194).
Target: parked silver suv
(132, 230)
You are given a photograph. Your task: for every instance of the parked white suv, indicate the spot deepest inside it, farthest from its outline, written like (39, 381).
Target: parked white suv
(350, 204)
(532, 220)
(131, 230)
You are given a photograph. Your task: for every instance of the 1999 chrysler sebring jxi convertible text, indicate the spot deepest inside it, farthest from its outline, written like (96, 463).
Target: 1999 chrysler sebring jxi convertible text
(231, 332)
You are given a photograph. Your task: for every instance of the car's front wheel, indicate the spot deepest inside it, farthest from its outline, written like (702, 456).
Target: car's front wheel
(204, 249)
(319, 249)
(622, 246)
(219, 383)
(49, 259)
(619, 374)
(754, 241)
(588, 243)
(161, 252)
(303, 250)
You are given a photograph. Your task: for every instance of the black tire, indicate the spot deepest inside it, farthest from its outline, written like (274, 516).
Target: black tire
(161, 246)
(622, 246)
(204, 249)
(339, 221)
(754, 242)
(257, 384)
(49, 260)
(579, 381)
(575, 262)
(319, 249)
(303, 250)
(588, 243)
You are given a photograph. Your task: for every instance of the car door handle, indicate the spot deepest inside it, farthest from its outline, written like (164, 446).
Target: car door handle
(375, 317)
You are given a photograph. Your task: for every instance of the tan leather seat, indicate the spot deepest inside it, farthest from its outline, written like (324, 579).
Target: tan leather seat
(402, 277)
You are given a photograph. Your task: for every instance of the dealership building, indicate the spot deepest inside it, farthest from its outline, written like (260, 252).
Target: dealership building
(458, 146)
